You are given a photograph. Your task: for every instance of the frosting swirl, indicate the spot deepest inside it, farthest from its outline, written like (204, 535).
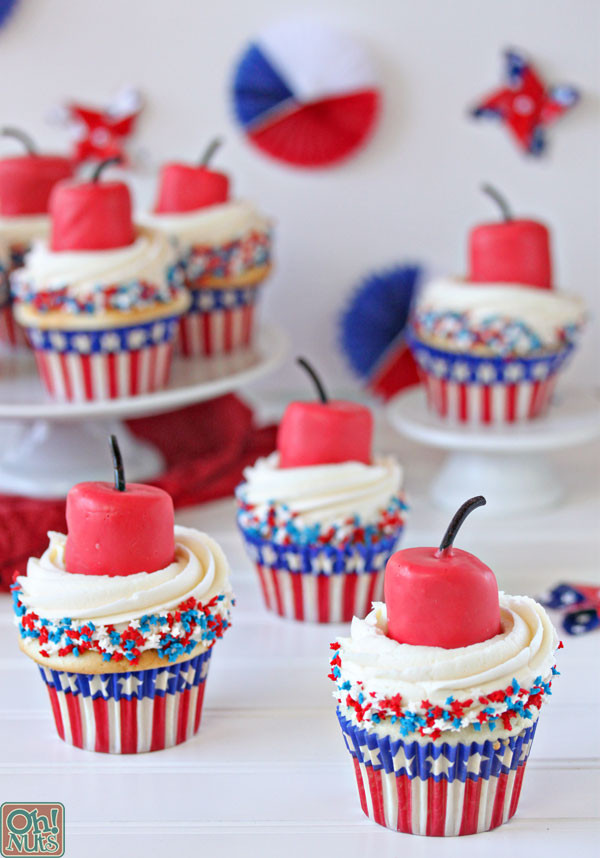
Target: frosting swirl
(478, 685)
(503, 318)
(211, 226)
(199, 571)
(83, 271)
(324, 494)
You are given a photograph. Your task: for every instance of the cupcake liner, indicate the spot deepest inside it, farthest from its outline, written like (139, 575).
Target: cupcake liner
(130, 712)
(10, 333)
(435, 788)
(218, 321)
(468, 388)
(320, 583)
(104, 364)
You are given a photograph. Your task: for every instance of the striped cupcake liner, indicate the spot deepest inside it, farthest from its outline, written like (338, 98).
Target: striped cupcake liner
(479, 390)
(437, 789)
(11, 334)
(79, 366)
(219, 321)
(130, 712)
(320, 584)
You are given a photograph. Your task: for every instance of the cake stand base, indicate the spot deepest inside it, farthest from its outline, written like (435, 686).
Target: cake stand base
(505, 463)
(46, 458)
(510, 483)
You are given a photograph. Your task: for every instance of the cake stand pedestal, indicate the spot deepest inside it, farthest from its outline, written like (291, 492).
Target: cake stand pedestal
(507, 464)
(48, 446)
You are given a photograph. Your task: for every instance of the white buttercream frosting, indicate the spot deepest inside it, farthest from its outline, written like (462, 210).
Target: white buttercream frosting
(24, 229)
(544, 312)
(84, 271)
(210, 226)
(324, 494)
(378, 668)
(200, 570)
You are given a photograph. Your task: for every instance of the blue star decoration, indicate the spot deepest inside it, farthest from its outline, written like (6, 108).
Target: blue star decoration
(525, 105)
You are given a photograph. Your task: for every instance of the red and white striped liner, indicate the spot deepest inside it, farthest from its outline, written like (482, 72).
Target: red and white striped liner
(488, 404)
(215, 332)
(77, 377)
(334, 598)
(11, 333)
(127, 726)
(441, 809)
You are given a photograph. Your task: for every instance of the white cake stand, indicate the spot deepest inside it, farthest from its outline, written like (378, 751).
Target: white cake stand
(48, 446)
(507, 464)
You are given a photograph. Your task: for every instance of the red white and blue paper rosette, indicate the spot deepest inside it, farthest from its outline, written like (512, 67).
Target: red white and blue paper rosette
(320, 583)
(84, 365)
(129, 712)
(305, 93)
(437, 788)
(466, 388)
(218, 321)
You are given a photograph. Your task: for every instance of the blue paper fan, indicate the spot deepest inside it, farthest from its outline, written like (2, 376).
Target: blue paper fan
(373, 327)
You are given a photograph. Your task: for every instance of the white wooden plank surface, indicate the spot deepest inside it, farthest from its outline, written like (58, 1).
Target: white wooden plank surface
(268, 774)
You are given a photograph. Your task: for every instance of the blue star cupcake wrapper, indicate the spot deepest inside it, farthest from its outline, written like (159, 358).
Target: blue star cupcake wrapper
(218, 321)
(437, 788)
(468, 388)
(129, 712)
(320, 582)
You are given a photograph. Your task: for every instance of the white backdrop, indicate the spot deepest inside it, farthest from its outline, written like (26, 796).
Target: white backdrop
(410, 195)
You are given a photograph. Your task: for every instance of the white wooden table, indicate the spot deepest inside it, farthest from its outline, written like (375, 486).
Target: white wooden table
(268, 773)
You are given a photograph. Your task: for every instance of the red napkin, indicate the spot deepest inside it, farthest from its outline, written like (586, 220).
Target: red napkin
(205, 446)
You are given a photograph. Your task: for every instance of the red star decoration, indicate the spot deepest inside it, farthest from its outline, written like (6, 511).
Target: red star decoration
(525, 105)
(103, 134)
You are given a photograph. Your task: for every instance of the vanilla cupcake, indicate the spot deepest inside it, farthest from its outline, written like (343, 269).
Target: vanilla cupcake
(321, 516)
(26, 182)
(491, 353)
(224, 254)
(439, 692)
(490, 347)
(95, 300)
(121, 617)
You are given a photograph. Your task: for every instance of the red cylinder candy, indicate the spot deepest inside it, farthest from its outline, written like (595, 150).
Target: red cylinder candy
(511, 251)
(118, 533)
(318, 433)
(91, 216)
(185, 188)
(447, 599)
(27, 180)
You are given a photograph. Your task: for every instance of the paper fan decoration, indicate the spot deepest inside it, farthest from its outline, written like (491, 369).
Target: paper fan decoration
(306, 94)
(373, 329)
(6, 7)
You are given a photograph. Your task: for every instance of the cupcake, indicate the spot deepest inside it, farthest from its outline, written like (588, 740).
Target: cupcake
(439, 692)
(490, 348)
(121, 616)
(25, 185)
(321, 516)
(224, 254)
(95, 300)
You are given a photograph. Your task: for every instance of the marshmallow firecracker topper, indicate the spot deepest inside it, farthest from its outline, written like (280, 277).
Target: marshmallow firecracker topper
(442, 597)
(324, 432)
(119, 529)
(189, 187)
(27, 180)
(91, 215)
(511, 250)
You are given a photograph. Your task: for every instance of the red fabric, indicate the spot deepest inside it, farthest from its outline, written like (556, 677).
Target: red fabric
(205, 446)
